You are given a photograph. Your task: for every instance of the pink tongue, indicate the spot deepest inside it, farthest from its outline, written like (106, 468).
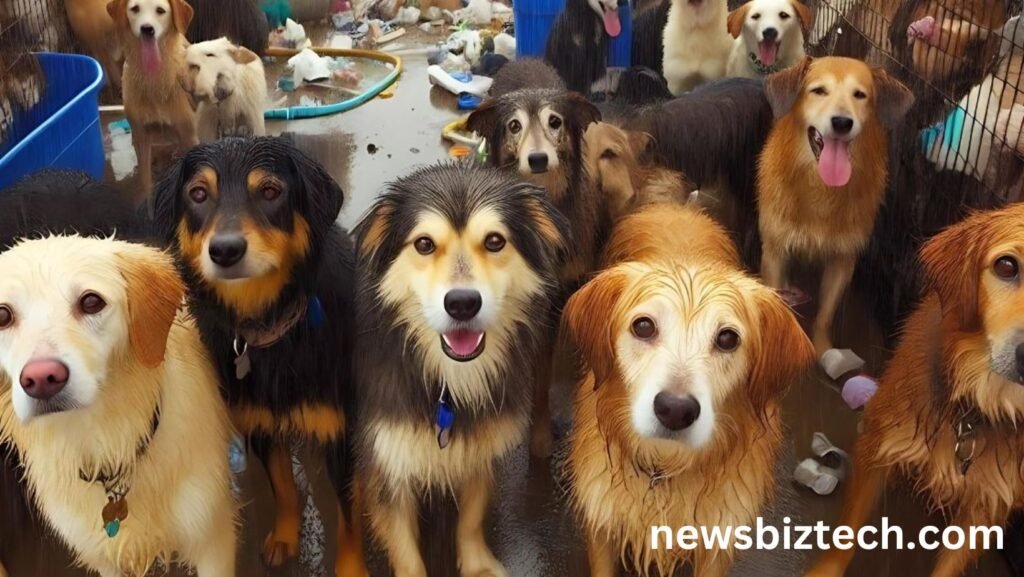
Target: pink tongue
(463, 343)
(834, 164)
(766, 52)
(611, 22)
(150, 56)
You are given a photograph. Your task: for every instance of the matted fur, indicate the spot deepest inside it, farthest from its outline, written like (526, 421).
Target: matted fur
(728, 479)
(180, 502)
(952, 357)
(400, 364)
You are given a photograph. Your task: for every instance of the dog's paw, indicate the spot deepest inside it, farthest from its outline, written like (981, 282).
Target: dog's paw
(279, 547)
(541, 442)
(350, 566)
(484, 566)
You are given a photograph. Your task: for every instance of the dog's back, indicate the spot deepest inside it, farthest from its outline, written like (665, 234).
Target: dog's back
(669, 231)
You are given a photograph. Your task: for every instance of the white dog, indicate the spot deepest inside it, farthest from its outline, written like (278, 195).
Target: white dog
(229, 84)
(769, 36)
(697, 43)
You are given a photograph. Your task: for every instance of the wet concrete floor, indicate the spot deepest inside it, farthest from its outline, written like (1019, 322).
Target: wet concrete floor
(529, 527)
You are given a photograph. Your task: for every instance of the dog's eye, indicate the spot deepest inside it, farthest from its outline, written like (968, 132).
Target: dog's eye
(271, 192)
(727, 340)
(91, 303)
(193, 67)
(135, 9)
(494, 242)
(784, 15)
(210, 55)
(555, 122)
(608, 154)
(755, 17)
(514, 126)
(161, 10)
(198, 194)
(6, 317)
(1006, 267)
(644, 328)
(820, 91)
(860, 94)
(424, 245)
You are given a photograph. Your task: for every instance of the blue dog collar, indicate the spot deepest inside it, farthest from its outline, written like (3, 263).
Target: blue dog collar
(950, 130)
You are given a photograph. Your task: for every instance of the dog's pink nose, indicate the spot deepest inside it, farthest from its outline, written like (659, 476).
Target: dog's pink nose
(44, 378)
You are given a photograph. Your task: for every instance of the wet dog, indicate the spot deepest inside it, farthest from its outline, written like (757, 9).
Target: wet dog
(578, 42)
(822, 175)
(676, 417)
(949, 404)
(769, 36)
(230, 87)
(457, 264)
(252, 223)
(112, 405)
(151, 34)
(696, 43)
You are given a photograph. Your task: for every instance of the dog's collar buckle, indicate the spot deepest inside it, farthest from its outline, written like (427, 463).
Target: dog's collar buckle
(966, 445)
(444, 419)
(243, 365)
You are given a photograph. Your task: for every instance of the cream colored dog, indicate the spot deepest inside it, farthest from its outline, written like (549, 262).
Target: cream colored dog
(230, 87)
(697, 43)
(112, 403)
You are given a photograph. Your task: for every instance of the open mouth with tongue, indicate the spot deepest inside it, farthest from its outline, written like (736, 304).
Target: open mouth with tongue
(611, 22)
(833, 157)
(767, 50)
(149, 53)
(463, 345)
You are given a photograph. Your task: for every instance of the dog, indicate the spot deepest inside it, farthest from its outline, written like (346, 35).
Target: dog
(946, 35)
(525, 73)
(96, 30)
(242, 21)
(955, 369)
(112, 405)
(685, 364)
(696, 43)
(152, 35)
(539, 134)
(769, 36)
(456, 264)
(822, 174)
(577, 45)
(230, 87)
(270, 278)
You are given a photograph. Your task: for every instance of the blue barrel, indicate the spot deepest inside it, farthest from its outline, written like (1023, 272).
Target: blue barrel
(534, 20)
(620, 48)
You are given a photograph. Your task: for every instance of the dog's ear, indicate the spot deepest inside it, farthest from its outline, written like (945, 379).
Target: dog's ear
(155, 293)
(486, 121)
(589, 321)
(118, 11)
(373, 228)
(951, 261)
(805, 14)
(550, 224)
(242, 55)
(321, 197)
(181, 11)
(168, 203)
(736, 19)
(642, 143)
(782, 88)
(892, 99)
(782, 352)
(583, 110)
(186, 79)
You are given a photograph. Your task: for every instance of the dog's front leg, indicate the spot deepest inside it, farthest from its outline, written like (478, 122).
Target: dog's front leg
(475, 557)
(283, 542)
(395, 525)
(604, 559)
(215, 556)
(773, 266)
(143, 144)
(541, 440)
(834, 281)
(954, 562)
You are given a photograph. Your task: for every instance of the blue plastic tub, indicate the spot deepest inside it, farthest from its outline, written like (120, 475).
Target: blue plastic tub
(534, 20)
(63, 129)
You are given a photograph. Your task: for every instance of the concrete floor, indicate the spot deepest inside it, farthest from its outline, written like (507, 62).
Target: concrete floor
(530, 529)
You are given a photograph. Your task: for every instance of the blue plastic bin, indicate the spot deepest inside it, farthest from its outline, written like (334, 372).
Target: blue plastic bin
(534, 20)
(63, 129)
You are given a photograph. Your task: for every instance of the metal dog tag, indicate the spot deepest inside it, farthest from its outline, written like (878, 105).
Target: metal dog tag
(243, 366)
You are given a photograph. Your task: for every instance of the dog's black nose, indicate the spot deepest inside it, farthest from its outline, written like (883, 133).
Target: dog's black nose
(538, 161)
(842, 125)
(147, 30)
(770, 34)
(676, 412)
(44, 378)
(462, 304)
(227, 249)
(1019, 354)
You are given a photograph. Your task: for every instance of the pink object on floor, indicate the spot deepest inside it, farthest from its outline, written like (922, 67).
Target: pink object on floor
(858, 391)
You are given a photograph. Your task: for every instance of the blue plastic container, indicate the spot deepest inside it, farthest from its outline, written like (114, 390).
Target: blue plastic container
(534, 20)
(63, 129)
(620, 48)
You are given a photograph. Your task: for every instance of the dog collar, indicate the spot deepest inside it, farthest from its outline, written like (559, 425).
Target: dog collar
(760, 67)
(445, 418)
(260, 336)
(116, 485)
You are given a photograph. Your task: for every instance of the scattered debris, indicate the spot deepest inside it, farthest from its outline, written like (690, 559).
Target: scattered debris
(858, 390)
(372, 148)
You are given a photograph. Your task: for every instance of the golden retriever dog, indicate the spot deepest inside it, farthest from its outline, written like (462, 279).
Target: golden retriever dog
(230, 87)
(152, 35)
(112, 403)
(949, 407)
(685, 364)
(821, 176)
(769, 36)
(95, 29)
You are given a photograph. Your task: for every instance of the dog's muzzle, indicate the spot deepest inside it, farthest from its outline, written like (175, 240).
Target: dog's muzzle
(538, 162)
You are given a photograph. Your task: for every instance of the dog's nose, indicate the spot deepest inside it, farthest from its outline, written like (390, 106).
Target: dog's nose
(227, 249)
(538, 161)
(676, 412)
(770, 34)
(147, 30)
(1019, 354)
(842, 125)
(44, 378)
(462, 304)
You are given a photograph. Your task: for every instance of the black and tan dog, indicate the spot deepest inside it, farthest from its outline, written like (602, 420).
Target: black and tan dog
(455, 265)
(539, 133)
(270, 284)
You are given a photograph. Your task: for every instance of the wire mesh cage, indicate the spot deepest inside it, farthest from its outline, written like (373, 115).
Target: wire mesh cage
(961, 147)
(27, 26)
